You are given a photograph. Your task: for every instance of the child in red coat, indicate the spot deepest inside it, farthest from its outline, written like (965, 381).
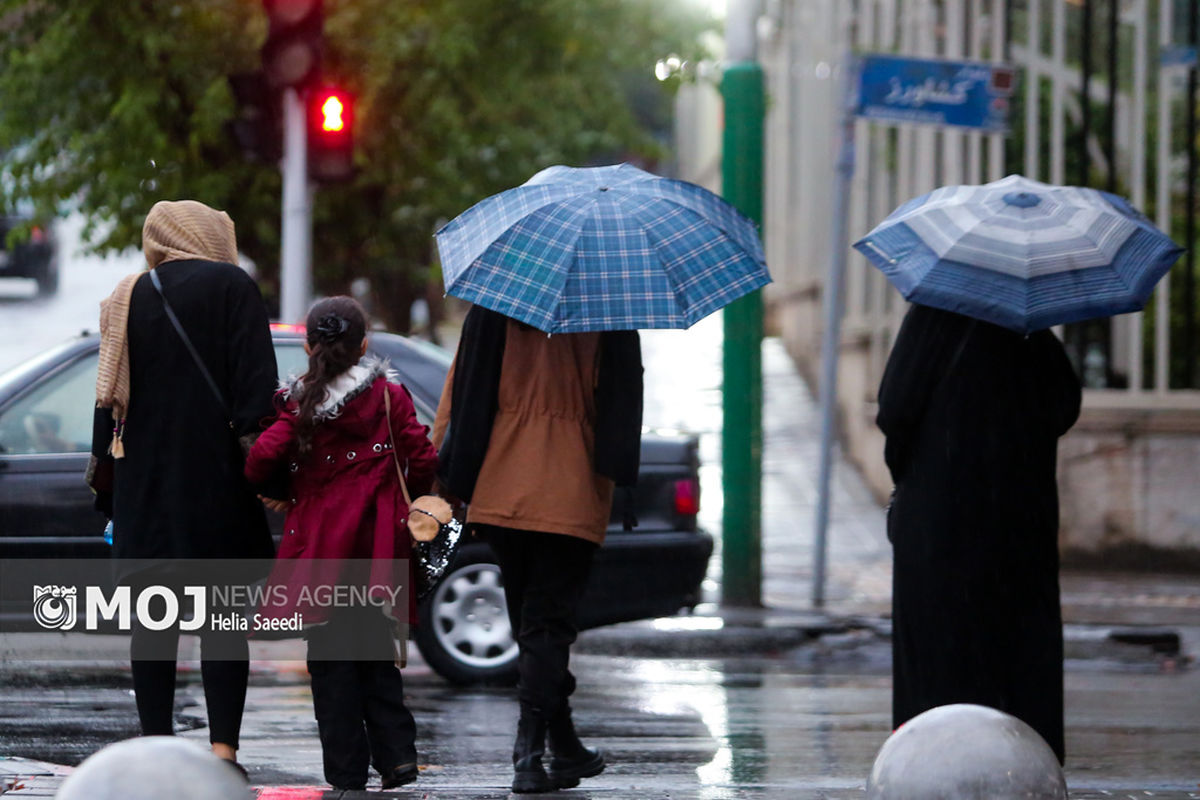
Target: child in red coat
(347, 509)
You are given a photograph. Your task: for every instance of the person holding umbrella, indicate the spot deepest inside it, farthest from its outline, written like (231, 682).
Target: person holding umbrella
(542, 410)
(972, 413)
(534, 432)
(973, 400)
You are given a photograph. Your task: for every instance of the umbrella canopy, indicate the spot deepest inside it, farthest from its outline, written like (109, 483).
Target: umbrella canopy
(1022, 254)
(602, 248)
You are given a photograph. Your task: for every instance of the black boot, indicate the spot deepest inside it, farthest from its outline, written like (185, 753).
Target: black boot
(570, 760)
(529, 776)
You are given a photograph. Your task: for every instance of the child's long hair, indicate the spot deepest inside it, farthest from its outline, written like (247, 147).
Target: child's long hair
(335, 330)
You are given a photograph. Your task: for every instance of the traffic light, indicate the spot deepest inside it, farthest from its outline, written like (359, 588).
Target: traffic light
(330, 135)
(291, 55)
(256, 125)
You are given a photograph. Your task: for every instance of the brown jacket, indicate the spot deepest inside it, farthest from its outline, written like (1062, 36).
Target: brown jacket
(538, 473)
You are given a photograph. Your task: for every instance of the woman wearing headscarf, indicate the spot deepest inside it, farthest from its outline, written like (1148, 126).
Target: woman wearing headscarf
(972, 413)
(167, 460)
(535, 431)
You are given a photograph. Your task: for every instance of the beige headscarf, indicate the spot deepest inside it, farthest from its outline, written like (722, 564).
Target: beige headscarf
(174, 231)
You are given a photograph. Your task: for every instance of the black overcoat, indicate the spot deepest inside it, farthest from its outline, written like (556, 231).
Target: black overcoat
(972, 413)
(180, 492)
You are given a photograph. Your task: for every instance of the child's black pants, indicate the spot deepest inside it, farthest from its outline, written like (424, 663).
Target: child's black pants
(359, 704)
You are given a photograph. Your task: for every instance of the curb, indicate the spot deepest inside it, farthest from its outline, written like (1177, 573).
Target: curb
(732, 633)
(742, 633)
(735, 632)
(24, 777)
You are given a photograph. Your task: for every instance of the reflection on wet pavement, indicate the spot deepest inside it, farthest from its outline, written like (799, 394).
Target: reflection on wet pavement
(711, 729)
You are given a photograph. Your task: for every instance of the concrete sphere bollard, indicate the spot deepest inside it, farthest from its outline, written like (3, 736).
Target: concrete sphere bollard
(966, 752)
(151, 768)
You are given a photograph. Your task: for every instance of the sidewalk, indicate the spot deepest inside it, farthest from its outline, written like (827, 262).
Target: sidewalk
(1107, 615)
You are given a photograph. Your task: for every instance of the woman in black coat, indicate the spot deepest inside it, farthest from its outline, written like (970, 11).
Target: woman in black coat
(167, 461)
(972, 413)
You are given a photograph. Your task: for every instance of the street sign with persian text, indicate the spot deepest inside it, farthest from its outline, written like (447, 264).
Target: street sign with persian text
(931, 91)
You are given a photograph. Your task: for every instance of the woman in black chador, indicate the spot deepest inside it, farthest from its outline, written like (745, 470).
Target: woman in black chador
(972, 413)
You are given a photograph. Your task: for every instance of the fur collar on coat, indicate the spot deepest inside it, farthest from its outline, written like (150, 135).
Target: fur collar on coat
(344, 388)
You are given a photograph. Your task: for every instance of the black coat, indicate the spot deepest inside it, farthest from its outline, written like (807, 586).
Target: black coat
(972, 413)
(179, 492)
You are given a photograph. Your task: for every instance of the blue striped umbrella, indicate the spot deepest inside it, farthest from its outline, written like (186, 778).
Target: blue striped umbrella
(1022, 254)
(602, 248)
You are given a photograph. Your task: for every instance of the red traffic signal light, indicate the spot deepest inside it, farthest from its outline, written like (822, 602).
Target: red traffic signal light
(333, 114)
(291, 56)
(330, 135)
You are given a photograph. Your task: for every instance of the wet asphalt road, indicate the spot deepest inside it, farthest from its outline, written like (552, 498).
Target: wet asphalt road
(804, 724)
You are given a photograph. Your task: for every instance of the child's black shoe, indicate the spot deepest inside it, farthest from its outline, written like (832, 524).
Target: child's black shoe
(400, 776)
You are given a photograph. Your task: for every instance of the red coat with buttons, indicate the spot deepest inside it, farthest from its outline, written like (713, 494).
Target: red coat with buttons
(347, 502)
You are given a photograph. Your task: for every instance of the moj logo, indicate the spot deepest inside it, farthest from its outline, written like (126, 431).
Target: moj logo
(54, 607)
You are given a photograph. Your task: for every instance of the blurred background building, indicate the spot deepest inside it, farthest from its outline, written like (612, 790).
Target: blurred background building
(1128, 470)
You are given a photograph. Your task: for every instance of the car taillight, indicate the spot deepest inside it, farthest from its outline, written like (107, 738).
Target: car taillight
(687, 497)
(37, 235)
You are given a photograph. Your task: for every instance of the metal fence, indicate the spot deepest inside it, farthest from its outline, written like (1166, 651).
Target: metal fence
(1130, 58)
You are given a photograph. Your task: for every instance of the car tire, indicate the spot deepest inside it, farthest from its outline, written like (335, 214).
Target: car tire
(464, 633)
(47, 280)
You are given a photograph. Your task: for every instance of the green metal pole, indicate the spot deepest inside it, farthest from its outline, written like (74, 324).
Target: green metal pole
(741, 441)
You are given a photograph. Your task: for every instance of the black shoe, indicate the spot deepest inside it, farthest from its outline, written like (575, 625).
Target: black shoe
(570, 761)
(529, 776)
(400, 776)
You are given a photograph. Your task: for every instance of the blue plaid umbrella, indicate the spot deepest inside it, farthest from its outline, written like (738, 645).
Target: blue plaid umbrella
(1022, 254)
(602, 248)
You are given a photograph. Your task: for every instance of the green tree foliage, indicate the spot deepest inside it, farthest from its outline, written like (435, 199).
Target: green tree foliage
(112, 106)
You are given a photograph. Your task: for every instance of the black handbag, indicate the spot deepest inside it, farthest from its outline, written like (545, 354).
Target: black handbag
(434, 556)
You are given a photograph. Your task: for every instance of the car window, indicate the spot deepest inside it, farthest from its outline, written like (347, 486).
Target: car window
(51, 418)
(293, 361)
(290, 358)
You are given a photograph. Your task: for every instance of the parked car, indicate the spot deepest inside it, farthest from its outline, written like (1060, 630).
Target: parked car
(46, 510)
(35, 258)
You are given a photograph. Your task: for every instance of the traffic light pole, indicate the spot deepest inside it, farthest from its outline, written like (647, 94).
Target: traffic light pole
(742, 388)
(295, 256)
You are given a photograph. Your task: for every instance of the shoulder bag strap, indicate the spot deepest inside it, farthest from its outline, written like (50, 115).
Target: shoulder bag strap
(212, 384)
(387, 405)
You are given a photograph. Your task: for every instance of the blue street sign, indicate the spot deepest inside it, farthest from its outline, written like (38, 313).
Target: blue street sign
(929, 91)
(1177, 56)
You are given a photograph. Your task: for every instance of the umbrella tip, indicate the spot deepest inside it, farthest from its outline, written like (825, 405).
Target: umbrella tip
(1022, 199)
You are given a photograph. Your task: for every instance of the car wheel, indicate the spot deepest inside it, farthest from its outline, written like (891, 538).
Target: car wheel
(47, 280)
(464, 633)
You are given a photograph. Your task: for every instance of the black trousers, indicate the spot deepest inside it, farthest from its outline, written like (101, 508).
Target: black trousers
(152, 657)
(359, 704)
(224, 666)
(545, 575)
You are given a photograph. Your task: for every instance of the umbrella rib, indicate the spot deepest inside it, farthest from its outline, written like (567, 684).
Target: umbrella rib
(585, 208)
(507, 228)
(634, 206)
(657, 243)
